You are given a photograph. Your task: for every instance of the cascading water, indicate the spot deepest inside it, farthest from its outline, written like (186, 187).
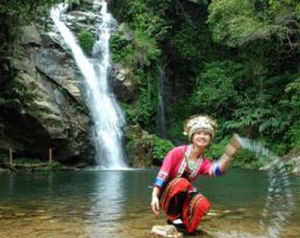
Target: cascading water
(279, 202)
(106, 113)
(161, 105)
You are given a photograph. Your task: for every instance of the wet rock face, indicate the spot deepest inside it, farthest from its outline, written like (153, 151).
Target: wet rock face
(41, 102)
(138, 147)
(122, 85)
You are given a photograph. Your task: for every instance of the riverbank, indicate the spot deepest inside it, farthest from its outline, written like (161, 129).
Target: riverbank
(41, 167)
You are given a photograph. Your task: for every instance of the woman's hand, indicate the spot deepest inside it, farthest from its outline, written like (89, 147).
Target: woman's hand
(233, 146)
(229, 152)
(155, 205)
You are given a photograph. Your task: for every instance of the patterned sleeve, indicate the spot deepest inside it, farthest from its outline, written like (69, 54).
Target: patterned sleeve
(210, 168)
(164, 172)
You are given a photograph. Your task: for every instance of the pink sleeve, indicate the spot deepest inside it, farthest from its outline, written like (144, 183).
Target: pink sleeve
(210, 168)
(206, 167)
(165, 169)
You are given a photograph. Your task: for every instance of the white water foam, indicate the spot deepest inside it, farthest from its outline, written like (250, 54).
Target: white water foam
(279, 203)
(106, 113)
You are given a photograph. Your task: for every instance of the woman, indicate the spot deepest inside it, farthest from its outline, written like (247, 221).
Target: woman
(173, 190)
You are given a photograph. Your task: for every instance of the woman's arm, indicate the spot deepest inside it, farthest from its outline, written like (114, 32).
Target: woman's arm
(155, 201)
(230, 150)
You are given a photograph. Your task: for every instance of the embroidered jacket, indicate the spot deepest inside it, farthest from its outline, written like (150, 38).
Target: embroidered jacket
(175, 165)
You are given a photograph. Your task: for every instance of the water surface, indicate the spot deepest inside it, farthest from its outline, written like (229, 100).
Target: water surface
(92, 204)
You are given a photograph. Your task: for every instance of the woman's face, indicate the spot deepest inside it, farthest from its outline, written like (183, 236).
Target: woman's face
(201, 139)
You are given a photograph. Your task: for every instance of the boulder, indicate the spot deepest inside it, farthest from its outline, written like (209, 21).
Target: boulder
(122, 84)
(169, 231)
(30, 35)
(138, 147)
(126, 33)
(42, 105)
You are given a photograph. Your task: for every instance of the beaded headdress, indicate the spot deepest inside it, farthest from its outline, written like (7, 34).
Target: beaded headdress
(199, 122)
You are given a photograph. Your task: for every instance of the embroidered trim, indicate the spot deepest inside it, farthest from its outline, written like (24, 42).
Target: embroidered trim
(184, 164)
(218, 172)
(159, 182)
(165, 199)
(163, 175)
(193, 206)
(215, 170)
(161, 179)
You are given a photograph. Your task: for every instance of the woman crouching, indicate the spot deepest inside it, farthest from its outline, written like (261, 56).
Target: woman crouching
(173, 190)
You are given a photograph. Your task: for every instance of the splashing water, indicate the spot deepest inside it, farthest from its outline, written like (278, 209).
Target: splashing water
(106, 113)
(279, 201)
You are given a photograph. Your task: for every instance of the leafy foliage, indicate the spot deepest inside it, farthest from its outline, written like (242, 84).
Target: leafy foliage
(14, 13)
(86, 40)
(215, 90)
(24, 10)
(235, 60)
(136, 46)
(136, 137)
(238, 22)
(295, 136)
(160, 147)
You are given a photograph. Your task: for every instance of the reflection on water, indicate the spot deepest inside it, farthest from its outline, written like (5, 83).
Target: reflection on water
(108, 203)
(94, 204)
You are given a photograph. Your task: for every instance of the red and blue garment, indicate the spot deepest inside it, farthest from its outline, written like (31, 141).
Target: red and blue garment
(179, 198)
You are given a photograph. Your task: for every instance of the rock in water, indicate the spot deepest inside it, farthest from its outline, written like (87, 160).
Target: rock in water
(166, 231)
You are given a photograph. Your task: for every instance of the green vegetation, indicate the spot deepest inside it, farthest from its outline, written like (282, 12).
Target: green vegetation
(55, 165)
(160, 147)
(15, 13)
(24, 11)
(86, 40)
(136, 46)
(29, 161)
(33, 164)
(235, 60)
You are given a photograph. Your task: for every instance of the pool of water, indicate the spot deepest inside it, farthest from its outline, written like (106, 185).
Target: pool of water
(94, 204)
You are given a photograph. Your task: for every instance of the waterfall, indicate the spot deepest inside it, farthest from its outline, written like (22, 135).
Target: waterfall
(161, 105)
(105, 111)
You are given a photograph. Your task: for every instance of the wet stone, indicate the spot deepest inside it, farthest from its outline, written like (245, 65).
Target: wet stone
(9, 216)
(212, 214)
(40, 211)
(165, 231)
(20, 214)
(236, 217)
(44, 217)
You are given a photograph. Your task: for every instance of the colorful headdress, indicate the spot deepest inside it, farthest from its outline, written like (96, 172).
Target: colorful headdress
(199, 122)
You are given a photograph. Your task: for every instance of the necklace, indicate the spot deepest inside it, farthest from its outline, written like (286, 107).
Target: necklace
(185, 163)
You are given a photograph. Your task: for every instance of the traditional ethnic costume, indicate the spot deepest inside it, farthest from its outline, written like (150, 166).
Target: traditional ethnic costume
(178, 197)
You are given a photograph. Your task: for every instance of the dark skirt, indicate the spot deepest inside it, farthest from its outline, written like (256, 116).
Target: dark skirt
(177, 202)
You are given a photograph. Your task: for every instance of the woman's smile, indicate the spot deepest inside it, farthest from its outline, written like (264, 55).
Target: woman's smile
(201, 139)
